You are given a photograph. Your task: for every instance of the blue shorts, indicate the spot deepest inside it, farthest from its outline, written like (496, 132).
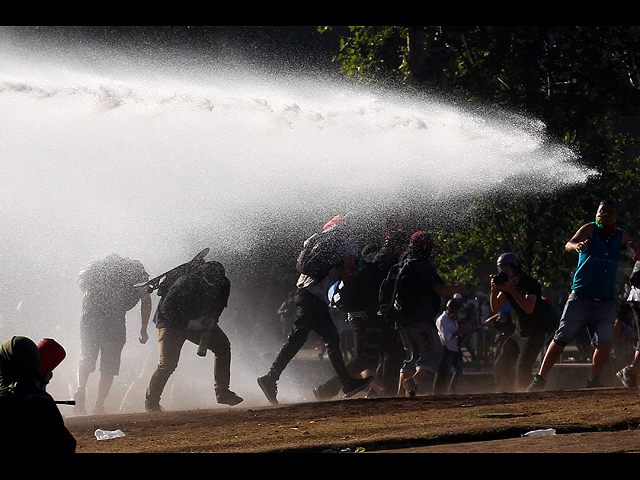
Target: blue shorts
(582, 311)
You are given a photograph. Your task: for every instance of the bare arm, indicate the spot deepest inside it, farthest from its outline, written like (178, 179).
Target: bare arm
(626, 238)
(145, 314)
(581, 239)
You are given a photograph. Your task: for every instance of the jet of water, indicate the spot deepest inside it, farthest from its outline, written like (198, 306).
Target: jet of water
(108, 152)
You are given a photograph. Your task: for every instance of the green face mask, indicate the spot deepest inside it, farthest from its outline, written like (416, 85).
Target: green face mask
(604, 221)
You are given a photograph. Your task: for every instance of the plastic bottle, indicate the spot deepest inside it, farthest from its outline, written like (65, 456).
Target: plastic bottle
(546, 432)
(108, 434)
(204, 343)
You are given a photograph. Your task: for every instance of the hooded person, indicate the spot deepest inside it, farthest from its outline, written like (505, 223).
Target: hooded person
(28, 414)
(190, 310)
(326, 257)
(418, 303)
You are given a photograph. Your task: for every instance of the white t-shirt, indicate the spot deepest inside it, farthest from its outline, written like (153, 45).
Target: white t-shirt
(446, 329)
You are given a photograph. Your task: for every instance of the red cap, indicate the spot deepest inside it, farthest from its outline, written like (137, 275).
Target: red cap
(51, 355)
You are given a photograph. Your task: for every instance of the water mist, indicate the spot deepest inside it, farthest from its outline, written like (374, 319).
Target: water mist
(156, 158)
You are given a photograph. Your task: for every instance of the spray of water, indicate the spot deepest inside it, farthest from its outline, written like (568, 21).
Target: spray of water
(156, 158)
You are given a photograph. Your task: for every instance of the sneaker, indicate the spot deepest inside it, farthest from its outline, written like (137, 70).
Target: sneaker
(269, 388)
(78, 398)
(355, 385)
(537, 384)
(410, 387)
(153, 408)
(595, 383)
(628, 377)
(228, 398)
(321, 394)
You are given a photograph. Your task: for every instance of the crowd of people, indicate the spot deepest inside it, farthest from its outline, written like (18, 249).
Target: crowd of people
(409, 327)
(430, 335)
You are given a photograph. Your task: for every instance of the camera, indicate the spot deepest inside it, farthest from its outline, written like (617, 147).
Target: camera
(500, 278)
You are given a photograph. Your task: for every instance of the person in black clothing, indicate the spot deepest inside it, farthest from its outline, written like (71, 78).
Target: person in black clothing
(373, 337)
(416, 318)
(312, 311)
(513, 367)
(29, 417)
(190, 307)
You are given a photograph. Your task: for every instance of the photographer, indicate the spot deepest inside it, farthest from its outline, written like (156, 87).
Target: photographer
(513, 367)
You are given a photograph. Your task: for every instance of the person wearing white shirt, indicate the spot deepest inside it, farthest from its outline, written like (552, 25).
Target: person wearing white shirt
(449, 334)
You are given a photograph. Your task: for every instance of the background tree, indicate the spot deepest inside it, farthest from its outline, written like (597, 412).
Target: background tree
(581, 81)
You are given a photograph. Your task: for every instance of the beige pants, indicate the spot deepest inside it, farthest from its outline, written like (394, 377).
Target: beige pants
(170, 341)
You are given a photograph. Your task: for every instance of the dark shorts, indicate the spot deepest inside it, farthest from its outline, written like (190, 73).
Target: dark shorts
(105, 338)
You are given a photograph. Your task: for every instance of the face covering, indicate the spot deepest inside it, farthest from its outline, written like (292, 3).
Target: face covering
(604, 221)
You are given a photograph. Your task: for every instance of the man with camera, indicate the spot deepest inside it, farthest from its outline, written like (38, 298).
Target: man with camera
(513, 367)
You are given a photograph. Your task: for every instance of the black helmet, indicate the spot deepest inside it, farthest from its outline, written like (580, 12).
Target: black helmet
(510, 259)
(454, 304)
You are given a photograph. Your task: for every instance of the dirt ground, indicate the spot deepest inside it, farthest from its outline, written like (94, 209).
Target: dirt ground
(586, 421)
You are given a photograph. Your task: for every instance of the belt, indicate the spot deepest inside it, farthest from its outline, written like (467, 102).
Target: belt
(589, 296)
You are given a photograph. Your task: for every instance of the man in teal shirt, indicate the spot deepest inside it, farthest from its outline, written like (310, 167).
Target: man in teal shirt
(592, 303)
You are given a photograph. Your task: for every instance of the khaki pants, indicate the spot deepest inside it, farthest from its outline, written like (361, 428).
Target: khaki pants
(170, 341)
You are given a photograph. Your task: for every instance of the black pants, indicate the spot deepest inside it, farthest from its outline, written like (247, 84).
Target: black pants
(450, 361)
(311, 314)
(513, 367)
(371, 335)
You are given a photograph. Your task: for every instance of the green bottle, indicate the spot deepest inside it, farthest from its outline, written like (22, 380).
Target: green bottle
(204, 343)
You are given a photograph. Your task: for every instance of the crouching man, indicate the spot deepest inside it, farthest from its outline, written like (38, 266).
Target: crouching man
(190, 310)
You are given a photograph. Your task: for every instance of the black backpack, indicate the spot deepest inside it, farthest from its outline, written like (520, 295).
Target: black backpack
(359, 294)
(317, 257)
(387, 292)
(401, 291)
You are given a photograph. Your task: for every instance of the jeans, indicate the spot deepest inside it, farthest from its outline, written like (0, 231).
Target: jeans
(422, 346)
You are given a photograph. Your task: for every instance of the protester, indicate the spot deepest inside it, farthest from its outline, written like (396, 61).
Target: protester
(529, 312)
(449, 333)
(190, 310)
(592, 302)
(392, 251)
(336, 249)
(629, 374)
(418, 303)
(624, 338)
(358, 299)
(109, 293)
(287, 312)
(29, 417)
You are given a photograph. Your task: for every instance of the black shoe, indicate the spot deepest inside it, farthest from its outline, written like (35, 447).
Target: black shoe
(355, 385)
(628, 377)
(228, 398)
(269, 388)
(410, 387)
(153, 408)
(538, 384)
(595, 383)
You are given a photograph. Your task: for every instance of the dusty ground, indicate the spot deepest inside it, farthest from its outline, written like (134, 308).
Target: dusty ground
(601, 420)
